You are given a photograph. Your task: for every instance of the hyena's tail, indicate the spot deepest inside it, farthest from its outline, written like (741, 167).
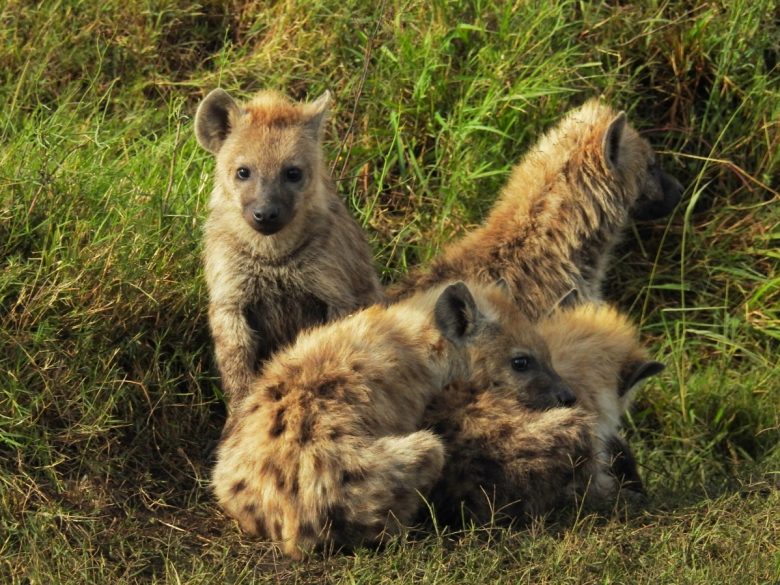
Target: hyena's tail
(380, 488)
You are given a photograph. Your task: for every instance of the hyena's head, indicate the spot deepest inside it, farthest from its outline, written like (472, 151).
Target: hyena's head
(500, 347)
(596, 350)
(632, 161)
(269, 157)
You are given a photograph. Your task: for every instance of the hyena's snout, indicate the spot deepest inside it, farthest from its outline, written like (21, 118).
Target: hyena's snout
(267, 216)
(563, 395)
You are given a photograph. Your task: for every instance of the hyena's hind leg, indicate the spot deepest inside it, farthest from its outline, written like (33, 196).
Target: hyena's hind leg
(384, 493)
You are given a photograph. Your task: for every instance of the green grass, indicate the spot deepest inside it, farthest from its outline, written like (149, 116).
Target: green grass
(109, 402)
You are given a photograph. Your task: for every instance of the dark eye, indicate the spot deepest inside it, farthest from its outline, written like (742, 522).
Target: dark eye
(293, 174)
(243, 173)
(521, 363)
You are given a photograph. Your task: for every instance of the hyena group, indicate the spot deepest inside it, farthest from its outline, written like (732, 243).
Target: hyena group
(477, 394)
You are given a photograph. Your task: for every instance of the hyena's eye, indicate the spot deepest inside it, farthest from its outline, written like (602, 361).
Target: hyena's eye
(521, 363)
(293, 174)
(243, 173)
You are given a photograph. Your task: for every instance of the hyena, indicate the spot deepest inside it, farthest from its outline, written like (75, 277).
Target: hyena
(327, 450)
(596, 349)
(281, 251)
(512, 460)
(560, 214)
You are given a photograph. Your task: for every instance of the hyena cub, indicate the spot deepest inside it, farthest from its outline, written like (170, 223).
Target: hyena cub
(596, 349)
(327, 449)
(560, 214)
(514, 461)
(281, 252)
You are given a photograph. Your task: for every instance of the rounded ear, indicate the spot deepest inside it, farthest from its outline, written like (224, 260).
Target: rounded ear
(612, 137)
(569, 300)
(636, 371)
(318, 111)
(213, 119)
(456, 313)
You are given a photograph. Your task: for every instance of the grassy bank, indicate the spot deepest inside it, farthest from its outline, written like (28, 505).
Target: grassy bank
(109, 401)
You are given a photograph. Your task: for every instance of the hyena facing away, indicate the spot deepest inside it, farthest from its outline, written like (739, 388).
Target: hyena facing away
(560, 214)
(327, 449)
(513, 461)
(281, 250)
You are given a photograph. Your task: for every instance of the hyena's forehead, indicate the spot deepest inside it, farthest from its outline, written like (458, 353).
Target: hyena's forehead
(268, 147)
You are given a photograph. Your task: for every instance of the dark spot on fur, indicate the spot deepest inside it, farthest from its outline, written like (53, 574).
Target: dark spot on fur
(503, 431)
(307, 429)
(319, 465)
(353, 475)
(250, 509)
(260, 527)
(252, 408)
(334, 434)
(327, 389)
(277, 529)
(295, 487)
(278, 425)
(538, 207)
(238, 487)
(275, 392)
(274, 473)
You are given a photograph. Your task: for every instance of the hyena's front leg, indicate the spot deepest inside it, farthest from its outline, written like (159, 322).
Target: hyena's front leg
(235, 348)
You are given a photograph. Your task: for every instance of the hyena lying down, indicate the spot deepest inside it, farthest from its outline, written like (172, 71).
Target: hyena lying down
(560, 214)
(558, 218)
(511, 461)
(327, 448)
(281, 251)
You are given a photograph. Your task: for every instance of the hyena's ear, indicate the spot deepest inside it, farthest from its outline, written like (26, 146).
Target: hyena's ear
(456, 313)
(612, 137)
(636, 371)
(213, 119)
(568, 301)
(317, 111)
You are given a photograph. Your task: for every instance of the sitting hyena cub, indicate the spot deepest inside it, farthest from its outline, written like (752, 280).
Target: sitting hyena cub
(281, 251)
(560, 214)
(513, 461)
(326, 449)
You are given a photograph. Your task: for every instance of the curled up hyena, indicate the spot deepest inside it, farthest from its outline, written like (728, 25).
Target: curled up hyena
(560, 214)
(281, 251)
(558, 217)
(510, 460)
(326, 449)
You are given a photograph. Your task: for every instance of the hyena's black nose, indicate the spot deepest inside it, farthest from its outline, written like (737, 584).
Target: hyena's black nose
(565, 395)
(266, 214)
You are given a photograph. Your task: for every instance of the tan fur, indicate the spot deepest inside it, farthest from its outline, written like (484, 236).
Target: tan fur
(509, 460)
(596, 349)
(559, 215)
(263, 289)
(327, 449)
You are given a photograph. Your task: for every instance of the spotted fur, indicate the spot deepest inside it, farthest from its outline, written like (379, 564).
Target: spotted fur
(327, 449)
(510, 460)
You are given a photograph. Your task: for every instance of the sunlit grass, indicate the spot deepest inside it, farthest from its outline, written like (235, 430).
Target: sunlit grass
(109, 402)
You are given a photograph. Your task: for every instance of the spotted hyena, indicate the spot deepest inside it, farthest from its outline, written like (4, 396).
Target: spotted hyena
(281, 251)
(560, 214)
(511, 460)
(328, 450)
